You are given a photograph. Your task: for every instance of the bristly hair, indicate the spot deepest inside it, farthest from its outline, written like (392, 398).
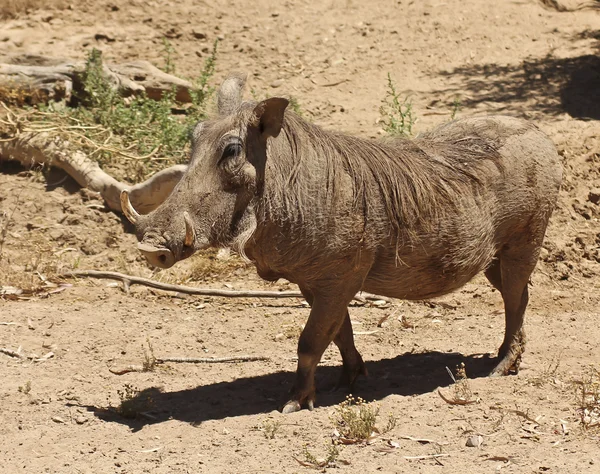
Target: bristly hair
(416, 181)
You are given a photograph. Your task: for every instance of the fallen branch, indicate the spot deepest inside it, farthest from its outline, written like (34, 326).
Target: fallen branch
(211, 360)
(39, 79)
(190, 360)
(18, 355)
(11, 353)
(127, 369)
(129, 280)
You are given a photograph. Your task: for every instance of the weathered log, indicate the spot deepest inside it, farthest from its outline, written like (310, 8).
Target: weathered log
(34, 79)
(41, 148)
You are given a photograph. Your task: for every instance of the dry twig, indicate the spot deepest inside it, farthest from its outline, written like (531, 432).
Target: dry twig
(11, 353)
(127, 369)
(455, 401)
(211, 360)
(191, 360)
(423, 440)
(517, 412)
(427, 456)
(129, 280)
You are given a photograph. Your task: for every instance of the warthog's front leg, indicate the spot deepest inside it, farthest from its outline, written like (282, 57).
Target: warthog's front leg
(344, 340)
(327, 317)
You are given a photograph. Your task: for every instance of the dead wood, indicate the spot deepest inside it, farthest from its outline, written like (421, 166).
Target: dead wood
(11, 353)
(35, 79)
(19, 355)
(129, 280)
(427, 456)
(127, 369)
(211, 360)
(42, 148)
(190, 360)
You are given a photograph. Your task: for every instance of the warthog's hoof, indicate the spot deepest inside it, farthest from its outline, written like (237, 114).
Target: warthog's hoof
(294, 406)
(350, 374)
(508, 365)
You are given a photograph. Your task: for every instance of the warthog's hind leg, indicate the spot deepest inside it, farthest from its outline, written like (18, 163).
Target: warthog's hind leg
(353, 363)
(514, 271)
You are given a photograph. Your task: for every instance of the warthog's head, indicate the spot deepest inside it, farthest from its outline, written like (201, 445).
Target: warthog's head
(212, 205)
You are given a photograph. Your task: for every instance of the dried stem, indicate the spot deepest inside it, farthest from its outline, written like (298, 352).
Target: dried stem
(129, 280)
(212, 360)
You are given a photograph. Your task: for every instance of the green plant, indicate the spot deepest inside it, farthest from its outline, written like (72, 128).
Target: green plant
(397, 113)
(456, 106)
(140, 133)
(295, 105)
(168, 52)
(202, 90)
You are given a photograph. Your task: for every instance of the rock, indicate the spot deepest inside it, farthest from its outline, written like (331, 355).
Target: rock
(277, 83)
(104, 37)
(173, 33)
(80, 420)
(198, 35)
(474, 441)
(594, 196)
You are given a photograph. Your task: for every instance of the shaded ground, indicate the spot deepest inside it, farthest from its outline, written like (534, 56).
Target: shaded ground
(59, 415)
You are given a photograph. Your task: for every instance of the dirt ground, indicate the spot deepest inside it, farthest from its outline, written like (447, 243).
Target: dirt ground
(59, 414)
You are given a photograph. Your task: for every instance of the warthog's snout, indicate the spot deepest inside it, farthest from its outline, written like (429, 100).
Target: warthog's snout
(154, 246)
(158, 257)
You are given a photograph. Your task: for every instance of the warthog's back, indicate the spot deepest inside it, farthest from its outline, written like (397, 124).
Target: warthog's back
(513, 192)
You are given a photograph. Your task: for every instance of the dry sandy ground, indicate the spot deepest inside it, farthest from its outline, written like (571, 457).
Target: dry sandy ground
(519, 58)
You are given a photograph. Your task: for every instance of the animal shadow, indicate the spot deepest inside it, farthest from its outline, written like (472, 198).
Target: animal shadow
(407, 374)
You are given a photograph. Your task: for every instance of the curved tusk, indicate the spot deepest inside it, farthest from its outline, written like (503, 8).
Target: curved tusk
(131, 214)
(190, 234)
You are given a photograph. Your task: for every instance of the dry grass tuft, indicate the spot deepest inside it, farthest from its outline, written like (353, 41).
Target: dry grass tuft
(133, 402)
(588, 394)
(461, 389)
(15, 8)
(355, 421)
(321, 464)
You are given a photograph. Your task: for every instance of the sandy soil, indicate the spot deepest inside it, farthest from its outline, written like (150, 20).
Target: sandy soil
(59, 414)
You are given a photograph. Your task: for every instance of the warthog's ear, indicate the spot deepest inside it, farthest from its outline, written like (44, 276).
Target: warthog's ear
(229, 96)
(269, 114)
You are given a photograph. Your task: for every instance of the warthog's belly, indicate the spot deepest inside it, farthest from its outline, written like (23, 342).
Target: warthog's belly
(423, 276)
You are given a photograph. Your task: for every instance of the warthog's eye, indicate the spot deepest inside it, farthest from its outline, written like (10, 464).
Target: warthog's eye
(231, 150)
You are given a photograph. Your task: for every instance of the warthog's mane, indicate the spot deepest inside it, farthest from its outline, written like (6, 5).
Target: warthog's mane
(409, 184)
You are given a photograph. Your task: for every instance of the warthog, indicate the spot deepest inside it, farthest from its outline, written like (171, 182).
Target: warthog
(336, 214)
